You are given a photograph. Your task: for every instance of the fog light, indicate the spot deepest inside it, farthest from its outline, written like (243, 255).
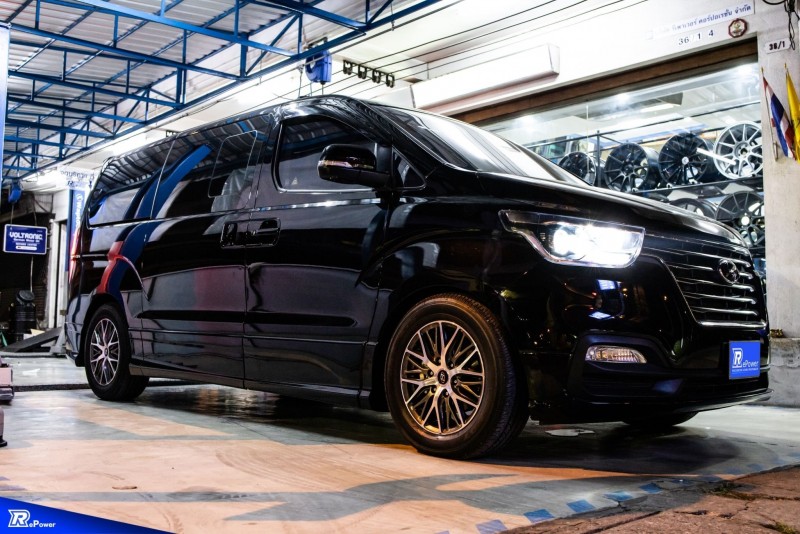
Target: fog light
(605, 353)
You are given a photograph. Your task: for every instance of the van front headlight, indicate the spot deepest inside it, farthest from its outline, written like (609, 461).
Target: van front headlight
(576, 241)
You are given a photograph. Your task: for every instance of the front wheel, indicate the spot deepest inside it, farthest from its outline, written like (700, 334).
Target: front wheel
(451, 383)
(107, 356)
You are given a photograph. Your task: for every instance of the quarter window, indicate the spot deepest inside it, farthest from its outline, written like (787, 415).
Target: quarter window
(121, 191)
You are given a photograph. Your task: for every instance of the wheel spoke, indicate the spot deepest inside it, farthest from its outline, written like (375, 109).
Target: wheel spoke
(433, 409)
(421, 385)
(459, 398)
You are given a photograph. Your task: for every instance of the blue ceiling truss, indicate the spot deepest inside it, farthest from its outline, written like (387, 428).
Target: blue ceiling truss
(60, 106)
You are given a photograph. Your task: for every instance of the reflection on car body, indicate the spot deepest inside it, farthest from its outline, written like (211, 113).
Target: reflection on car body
(361, 254)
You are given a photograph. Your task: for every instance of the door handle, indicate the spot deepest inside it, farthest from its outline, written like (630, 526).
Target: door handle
(268, 227)
(266, 233)
(229, 236)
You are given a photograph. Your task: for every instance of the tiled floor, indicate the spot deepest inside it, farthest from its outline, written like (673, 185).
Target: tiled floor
(214, 459)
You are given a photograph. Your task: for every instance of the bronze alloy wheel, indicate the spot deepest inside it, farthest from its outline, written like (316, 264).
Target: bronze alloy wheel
(452, 385)
(442, 377)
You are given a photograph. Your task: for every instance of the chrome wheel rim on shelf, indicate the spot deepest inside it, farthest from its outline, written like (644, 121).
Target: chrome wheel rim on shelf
(738, 151)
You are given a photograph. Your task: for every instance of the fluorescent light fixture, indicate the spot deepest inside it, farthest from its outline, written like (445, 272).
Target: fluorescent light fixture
(524, 66)
(658, 107)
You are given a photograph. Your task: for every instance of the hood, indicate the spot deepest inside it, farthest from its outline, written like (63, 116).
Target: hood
(581, 200)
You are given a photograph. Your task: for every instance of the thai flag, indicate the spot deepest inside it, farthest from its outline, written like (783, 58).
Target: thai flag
(780, 120)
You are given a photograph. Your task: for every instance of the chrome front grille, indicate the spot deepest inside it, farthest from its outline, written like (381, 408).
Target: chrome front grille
(696, 266)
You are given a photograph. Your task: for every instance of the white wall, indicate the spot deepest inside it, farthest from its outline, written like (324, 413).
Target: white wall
(781, 182)
(56, 268)
(622, 37)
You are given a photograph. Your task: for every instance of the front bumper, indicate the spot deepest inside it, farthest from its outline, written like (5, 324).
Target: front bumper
(567, 388)
(558, 315)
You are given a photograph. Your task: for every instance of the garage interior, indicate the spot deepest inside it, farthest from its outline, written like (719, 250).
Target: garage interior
(588, 84)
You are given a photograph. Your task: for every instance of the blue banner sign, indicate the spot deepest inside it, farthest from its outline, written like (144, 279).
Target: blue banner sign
(745, 359)
(20, 239)
(77, 201)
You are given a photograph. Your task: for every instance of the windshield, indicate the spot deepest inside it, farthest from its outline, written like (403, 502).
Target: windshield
(469, 147)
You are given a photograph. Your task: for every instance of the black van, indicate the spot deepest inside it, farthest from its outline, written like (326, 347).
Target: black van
(356, 253)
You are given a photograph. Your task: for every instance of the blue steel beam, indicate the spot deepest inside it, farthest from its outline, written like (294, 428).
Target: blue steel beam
(84, 113)
(43, 142)
(179, 73)
(89, 88)
(62, 129)
(305, 9)
(115, 52)
(102, 6)
(18, 168)
(26, 155)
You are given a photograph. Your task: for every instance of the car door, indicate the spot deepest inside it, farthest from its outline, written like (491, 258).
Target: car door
(193, 263)
(312, 274)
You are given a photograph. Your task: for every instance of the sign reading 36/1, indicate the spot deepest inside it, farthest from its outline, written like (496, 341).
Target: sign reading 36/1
(25, 239)
(776, 46)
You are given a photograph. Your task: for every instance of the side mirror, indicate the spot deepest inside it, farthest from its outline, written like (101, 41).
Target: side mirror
(351, 164)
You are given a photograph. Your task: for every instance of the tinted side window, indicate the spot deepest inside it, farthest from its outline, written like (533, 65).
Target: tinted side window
(236, 164)
(121, 190)
(300, 147)
(208, 171)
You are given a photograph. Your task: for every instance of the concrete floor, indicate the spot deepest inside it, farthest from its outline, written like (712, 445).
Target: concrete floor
(195, 458)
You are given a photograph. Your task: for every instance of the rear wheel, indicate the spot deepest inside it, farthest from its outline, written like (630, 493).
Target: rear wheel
(107, 356)
(451, 384)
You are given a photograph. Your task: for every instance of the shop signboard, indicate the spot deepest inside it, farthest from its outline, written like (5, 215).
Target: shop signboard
(79, 182)
(19, 239)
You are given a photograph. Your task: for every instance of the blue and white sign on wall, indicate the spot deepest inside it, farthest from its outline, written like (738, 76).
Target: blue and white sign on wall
(20, 239)
(745, 359)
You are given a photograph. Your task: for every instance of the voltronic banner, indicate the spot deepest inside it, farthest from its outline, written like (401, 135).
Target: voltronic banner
(19, 239)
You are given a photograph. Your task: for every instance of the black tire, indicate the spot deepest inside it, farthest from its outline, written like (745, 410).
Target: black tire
(107, 356)
(660, 422)
(482, 396)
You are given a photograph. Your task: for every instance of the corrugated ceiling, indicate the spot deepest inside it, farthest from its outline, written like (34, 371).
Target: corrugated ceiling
(82, 72)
